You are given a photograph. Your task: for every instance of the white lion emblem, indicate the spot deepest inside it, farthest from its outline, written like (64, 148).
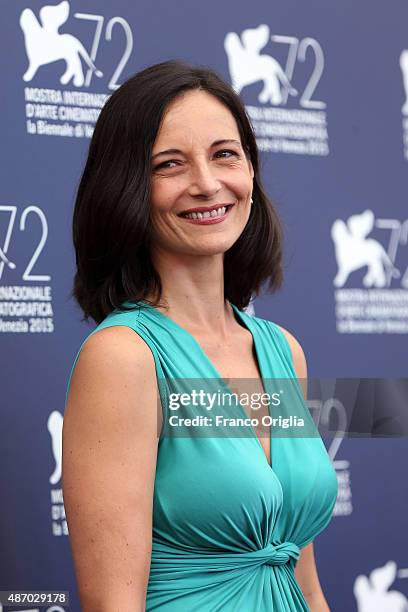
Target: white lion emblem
(44, 44)
(354, 251)
(247, 65)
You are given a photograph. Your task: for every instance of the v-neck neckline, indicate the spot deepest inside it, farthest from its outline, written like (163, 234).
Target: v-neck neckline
(250, 328)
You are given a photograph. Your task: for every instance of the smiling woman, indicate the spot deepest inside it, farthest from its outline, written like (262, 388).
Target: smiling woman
(174, 233)
(144, 146)
(201, 168)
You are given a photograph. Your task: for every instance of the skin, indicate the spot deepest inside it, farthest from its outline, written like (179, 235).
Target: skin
(111, 430)
(188, 255)
(305, 571)
(189, 258)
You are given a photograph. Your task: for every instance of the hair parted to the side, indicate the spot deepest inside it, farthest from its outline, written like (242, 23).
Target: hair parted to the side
(111, 229)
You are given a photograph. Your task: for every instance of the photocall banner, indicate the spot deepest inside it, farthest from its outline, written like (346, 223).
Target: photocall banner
(326, 89)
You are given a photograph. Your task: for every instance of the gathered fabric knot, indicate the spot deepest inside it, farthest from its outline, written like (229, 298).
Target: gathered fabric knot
(189, 570)
(279, 554)
(169, 562)
(272, 554)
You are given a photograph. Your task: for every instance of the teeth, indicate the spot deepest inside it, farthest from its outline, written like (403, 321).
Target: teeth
(207, 214)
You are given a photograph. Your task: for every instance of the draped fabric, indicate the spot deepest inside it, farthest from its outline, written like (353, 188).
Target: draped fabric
(228, 527)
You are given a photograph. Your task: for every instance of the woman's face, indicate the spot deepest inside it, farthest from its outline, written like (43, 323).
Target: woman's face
(193, 169)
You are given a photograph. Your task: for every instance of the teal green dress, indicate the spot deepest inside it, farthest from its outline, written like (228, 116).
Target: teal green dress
(228, 527)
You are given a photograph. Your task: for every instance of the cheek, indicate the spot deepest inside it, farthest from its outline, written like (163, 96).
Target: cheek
(243, 183)
(163, 196)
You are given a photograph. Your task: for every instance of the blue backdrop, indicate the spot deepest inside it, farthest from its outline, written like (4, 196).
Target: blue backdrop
(325, 86)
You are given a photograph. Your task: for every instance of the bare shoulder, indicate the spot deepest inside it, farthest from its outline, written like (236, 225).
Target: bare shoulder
(114, 372)
(298, 355)
(115, 347)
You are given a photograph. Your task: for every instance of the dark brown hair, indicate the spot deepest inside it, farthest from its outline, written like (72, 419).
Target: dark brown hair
(111, 229)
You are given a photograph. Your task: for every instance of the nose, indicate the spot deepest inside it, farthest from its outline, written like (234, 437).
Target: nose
(203, 180)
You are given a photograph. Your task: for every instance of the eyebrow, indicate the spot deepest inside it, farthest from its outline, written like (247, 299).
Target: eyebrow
(215, 143)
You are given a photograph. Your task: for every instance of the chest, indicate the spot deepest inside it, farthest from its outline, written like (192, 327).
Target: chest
(236, 362)
(235, 359)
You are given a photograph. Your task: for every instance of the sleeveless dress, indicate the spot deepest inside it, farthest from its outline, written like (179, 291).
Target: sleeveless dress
(228, 526)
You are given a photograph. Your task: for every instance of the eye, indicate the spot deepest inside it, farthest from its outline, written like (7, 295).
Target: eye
(227, 151)
(164, 164)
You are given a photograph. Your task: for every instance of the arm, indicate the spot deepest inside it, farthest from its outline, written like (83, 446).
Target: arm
(307, 577)
(305, 570)
(108, 469)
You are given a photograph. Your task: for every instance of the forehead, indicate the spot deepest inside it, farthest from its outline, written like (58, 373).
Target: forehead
(197, 113)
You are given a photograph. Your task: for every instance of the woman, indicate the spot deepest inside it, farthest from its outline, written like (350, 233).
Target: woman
(161, 521)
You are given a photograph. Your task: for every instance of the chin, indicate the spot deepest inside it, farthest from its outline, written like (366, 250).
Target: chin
(215, 247)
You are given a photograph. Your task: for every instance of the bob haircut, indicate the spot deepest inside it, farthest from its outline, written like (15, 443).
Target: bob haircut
(111, 228)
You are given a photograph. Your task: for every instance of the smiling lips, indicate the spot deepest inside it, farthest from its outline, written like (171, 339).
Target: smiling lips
(207, 215)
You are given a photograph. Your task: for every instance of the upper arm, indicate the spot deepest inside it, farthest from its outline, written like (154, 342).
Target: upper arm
(298, 358)
(108, 468)
(306, 572)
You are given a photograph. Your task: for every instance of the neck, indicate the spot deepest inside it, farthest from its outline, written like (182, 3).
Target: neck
(193, 292)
